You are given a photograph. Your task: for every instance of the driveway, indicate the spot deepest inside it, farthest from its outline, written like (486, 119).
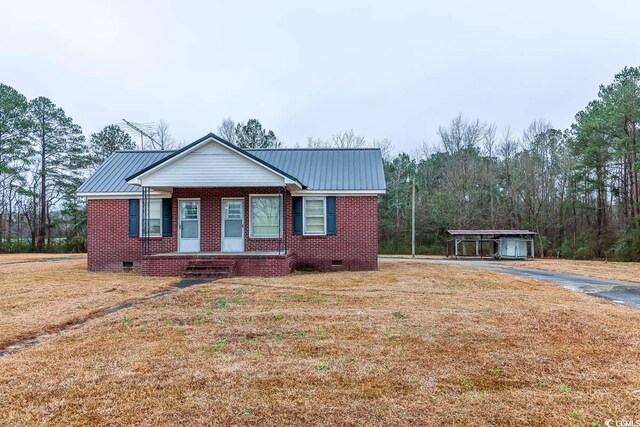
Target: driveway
(627, 293)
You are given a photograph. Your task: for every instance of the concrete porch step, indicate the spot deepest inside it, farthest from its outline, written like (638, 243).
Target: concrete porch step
(206, 274)
(210, 268)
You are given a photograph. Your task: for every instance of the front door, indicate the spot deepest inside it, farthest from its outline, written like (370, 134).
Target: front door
(232, 225)
(189, 227)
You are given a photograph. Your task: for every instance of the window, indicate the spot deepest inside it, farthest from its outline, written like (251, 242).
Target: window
(314, 215)
(265, 216)
(154, 220)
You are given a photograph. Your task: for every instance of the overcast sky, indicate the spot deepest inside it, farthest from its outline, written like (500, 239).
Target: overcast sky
(395, 69)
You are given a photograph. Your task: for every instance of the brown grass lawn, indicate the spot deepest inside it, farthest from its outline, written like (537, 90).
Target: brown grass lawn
(19, 258)
(626, 271)
(412, 344)
(40, 297)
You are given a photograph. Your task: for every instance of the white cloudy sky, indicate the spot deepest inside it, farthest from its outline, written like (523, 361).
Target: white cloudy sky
(395, 69)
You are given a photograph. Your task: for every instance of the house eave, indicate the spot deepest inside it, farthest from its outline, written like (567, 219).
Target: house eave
(306, 192)
(123, 195)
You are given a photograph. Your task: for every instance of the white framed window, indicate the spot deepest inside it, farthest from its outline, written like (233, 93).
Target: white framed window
(265, 216)
(154, 220)
(315, 215)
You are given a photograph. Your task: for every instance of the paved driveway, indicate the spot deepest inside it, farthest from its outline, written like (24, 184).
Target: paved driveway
(627, 293)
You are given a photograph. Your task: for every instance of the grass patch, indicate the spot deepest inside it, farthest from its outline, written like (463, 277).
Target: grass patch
(41, 297)
(411, 344)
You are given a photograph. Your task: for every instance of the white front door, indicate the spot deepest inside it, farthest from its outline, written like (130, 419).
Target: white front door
(189, 226)
(232, 225)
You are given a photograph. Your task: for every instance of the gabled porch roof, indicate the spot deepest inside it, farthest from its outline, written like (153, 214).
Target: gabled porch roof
(157, 167)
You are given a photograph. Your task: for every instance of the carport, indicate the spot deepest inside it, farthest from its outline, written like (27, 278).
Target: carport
(499, 244)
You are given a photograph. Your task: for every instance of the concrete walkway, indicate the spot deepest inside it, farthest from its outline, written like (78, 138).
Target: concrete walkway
(627, 293)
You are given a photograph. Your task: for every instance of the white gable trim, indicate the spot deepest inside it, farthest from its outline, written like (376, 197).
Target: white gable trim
(139, 179)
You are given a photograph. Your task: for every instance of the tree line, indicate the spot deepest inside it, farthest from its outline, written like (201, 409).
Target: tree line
(44, 158)
(577, 188)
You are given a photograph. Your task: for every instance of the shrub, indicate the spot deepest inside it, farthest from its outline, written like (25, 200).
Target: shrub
(584, 252)
(627, 248)
(76, 244)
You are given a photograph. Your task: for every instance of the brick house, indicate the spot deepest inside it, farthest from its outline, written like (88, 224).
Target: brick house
(213, 209)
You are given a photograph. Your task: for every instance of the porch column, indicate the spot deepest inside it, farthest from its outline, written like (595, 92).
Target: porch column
(146, 198)
(285, 218)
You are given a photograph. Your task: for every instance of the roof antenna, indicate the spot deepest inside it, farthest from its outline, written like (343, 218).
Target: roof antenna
(137, 127)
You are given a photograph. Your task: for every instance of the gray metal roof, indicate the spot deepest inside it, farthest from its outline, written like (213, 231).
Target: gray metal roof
(491, 232)
(329, 169)
(110, 176)
(317, 169)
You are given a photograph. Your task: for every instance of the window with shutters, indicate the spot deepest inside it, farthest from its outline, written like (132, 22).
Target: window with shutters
(315, 215)
(154, 220)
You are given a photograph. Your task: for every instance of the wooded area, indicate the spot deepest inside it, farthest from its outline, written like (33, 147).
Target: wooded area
(578, 188)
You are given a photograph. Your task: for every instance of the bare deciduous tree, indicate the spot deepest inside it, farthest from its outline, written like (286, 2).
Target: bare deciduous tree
(162, 137)
(227, 130)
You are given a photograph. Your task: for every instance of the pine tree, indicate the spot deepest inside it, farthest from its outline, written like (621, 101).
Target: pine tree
(60, 153)
(102, 144)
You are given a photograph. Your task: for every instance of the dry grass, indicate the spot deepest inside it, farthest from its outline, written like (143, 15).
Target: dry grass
(417, 256)
(20, 258)
(41, 297)
(412, 344)
(625, 271)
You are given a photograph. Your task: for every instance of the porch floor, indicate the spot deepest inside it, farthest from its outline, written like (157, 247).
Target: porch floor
(218, 253)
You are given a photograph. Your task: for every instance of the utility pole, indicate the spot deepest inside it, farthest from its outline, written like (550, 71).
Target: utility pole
(413, 214)
(413, 217)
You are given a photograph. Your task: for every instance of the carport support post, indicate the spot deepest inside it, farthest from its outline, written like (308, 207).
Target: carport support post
(477, 248)
(533, 253)
(456, 240)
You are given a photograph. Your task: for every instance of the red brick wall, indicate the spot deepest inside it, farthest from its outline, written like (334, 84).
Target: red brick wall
(245, 265)
(108, 241)
(355, 243)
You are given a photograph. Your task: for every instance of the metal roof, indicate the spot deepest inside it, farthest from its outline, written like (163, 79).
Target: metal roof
(490, 232)
(317, 169)
(110, 176)
(329, 168)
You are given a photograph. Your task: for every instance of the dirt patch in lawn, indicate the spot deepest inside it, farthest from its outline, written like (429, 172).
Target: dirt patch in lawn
(412, 344)
(43, 297)
(623, 271)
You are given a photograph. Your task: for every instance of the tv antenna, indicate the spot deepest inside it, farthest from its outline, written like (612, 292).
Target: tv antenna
(140, 129)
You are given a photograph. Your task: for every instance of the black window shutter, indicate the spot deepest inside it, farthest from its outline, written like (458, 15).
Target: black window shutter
(134, 217)
(297, 215)
(166, 217)
(331, 215)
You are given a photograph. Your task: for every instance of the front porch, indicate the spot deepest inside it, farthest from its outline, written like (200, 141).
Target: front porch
(218, 264)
